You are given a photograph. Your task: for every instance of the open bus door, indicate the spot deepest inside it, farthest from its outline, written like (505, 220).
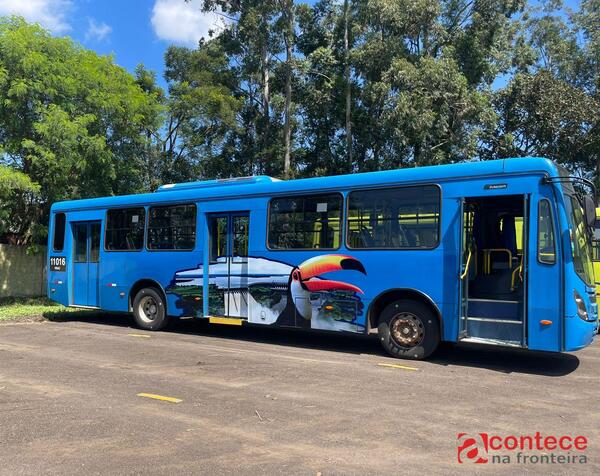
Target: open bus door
(492, 273)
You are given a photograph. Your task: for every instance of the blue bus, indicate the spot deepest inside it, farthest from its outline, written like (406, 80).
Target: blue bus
(494, 252)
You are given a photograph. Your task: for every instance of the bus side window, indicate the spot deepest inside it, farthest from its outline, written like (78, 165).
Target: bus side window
(58, 243)
(125, 229)
(172, 227)
(546, 244)
(394, 218)
(305, 222)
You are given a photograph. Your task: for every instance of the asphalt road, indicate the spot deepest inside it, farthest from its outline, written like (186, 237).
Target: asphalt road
(266, 401)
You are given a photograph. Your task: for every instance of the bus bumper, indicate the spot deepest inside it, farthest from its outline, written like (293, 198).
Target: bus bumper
(579, 333)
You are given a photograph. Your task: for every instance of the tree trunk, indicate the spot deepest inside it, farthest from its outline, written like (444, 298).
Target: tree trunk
(264, 64)
(349, 159)
(264, 130)
(287, 128)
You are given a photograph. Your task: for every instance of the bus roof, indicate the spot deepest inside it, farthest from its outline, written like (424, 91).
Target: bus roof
(261, 185)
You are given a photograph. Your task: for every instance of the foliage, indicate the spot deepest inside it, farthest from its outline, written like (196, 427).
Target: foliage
(550, 106)
(18, 199)
(72, 121)
(291, 89)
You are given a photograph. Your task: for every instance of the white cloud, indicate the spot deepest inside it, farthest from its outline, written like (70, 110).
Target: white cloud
(50, 14)
(184, 22)
(97, 31)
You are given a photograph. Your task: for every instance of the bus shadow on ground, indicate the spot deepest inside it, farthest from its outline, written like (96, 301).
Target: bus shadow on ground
(499, 359)
(505, 359)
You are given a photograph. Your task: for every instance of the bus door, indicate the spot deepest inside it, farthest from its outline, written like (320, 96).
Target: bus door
(228, 264)
(86, 260)
(468, 265)
(493, 270)
(545, 289)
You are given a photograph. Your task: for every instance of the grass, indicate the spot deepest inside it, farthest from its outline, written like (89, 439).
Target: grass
(26, 309)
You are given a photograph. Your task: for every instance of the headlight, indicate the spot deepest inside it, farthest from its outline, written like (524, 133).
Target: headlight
(581, 310)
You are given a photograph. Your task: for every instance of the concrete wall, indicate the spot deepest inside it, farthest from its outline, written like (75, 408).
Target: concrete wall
(22, 274)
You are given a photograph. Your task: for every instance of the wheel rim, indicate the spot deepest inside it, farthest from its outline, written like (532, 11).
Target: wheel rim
(148, 309)
(407, 330)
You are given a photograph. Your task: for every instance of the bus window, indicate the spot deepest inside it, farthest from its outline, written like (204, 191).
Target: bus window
(95, 243)
(546, 246)
(218, 234)
(305, 222)
(80, 237)
(172, 227)
(395, 218)
(240, 236)
(580, 242)
(58, 243)
(125, 229)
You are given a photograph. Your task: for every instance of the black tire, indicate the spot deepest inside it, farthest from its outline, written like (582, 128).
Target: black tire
(149, 309)
(408, 330)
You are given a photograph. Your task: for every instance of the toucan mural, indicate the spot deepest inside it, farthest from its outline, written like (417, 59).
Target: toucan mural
(272, 292)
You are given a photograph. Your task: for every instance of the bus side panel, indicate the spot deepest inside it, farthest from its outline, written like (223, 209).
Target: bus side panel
(122, 270)
(114, 279)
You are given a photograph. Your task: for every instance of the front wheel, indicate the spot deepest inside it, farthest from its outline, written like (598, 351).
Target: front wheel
(149, 309)
(409, 330)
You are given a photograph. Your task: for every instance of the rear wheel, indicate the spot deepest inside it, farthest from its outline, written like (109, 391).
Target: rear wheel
(409, 330)
(149, 309)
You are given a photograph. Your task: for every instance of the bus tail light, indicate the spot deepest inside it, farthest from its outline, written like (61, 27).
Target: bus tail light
(581, 310)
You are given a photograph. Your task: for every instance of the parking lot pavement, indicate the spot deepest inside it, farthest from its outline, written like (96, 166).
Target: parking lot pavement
(266, 401)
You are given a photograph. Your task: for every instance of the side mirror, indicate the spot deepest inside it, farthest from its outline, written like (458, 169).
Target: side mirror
(589, 207)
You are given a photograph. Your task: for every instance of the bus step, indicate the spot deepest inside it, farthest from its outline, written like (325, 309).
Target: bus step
(493, 309)
(498, 321)
(479, 340)
(229, 321)
(497, 329)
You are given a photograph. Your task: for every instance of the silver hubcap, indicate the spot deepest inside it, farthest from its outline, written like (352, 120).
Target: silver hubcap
(407, 330)
(148, 308)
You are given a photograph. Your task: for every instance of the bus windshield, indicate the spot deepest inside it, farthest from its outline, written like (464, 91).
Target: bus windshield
(580, 240)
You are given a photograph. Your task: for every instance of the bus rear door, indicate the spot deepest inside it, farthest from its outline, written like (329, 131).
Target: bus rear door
(86, 262)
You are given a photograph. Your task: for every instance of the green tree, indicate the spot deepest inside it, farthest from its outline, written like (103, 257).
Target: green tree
(375, 84)
(550, 105)
(251, 41)
(202, 113)
(72, 121)
(18, 200)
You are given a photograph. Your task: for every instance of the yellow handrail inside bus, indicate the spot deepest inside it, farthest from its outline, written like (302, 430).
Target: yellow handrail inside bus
(466, 271)
(487, 258)
(518, 269)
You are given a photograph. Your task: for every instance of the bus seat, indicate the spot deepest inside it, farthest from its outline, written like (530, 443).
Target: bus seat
(130, 243)
(407, 235)
(365, 237)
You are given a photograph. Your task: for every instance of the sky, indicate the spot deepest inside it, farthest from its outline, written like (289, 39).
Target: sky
(133, 31)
